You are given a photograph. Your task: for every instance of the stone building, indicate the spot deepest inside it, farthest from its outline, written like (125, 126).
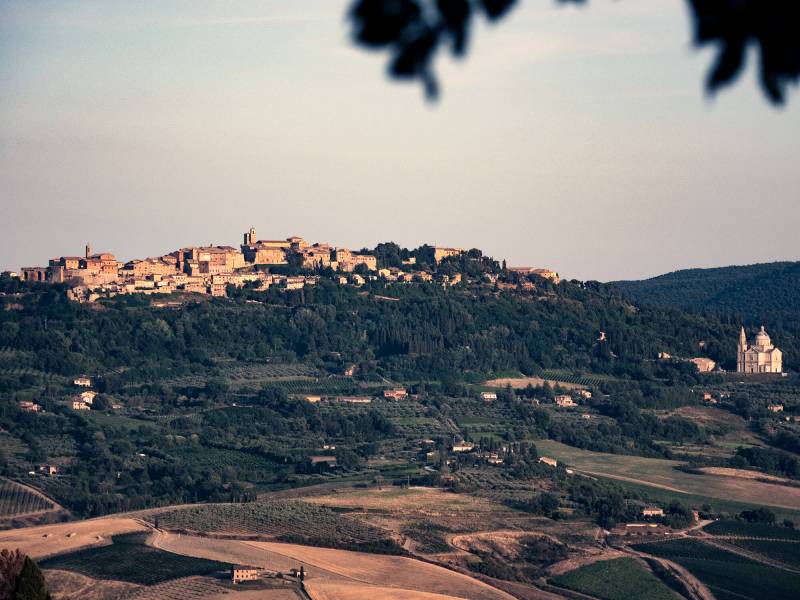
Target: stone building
(241, 573)
(760, 357)
(264, 252)
(440, 253)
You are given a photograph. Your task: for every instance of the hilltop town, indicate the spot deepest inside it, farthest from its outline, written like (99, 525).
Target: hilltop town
(291, 263)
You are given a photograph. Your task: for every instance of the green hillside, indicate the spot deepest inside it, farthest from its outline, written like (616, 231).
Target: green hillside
(762, 294)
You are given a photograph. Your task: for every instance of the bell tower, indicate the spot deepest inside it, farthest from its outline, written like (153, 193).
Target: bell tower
(740, 350)
(88, 250)
(250, 237)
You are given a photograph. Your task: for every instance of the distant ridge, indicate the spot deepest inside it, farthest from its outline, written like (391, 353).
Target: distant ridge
(758, 292)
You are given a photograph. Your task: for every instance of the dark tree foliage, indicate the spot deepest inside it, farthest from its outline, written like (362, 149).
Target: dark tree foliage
(30, 584)
(413, 31)
(751, 295)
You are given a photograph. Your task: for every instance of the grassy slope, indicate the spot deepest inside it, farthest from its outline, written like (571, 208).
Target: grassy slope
(619, 579)
(653, 472)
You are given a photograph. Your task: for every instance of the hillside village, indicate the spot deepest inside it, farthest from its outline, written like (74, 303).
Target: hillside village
(291, 263)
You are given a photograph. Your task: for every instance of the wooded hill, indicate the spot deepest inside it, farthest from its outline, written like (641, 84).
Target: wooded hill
(762, 294)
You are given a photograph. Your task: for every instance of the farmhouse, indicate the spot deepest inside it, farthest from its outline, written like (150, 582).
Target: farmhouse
(775, 408)
(313, 399)
(585, 394)
(395, 394)
(488, 396)
(87, 397)
(241, 573)
(652, 512)
(29, 406)
(79, 405)
(548, 461)
(463, 447)
(83, 382)
(564, 400)
(704, 365)
(48, 469)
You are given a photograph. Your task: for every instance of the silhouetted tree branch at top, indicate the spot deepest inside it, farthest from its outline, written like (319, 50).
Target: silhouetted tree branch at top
(413, 31)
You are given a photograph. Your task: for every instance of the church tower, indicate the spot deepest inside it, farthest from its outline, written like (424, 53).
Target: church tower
(250, 237)
(88, 250)
(740, 350)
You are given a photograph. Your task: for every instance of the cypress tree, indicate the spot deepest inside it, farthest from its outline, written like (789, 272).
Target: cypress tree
(30, 583)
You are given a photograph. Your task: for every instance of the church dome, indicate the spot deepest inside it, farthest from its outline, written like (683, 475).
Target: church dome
(762, 339)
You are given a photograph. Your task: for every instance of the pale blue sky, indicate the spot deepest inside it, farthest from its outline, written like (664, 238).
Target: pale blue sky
(577, 139)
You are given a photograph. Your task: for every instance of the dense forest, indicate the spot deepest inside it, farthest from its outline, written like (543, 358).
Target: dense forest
(412, 331)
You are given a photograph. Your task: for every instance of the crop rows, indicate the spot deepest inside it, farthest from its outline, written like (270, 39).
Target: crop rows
(745, 529)
(128, 558)
(16, 500)
(727, 574)
(619, 579)
(188, 588)
(787, 553)
(567, 377)
(280, 519)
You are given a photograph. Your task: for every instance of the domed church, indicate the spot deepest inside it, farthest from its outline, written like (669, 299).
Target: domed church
(760, 357)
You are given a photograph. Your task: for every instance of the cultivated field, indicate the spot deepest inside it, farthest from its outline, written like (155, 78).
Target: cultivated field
(324, 590)
(326, 565)
(17, 500)
(289, 520)
(128, 558)
(661, 473)
(618, 579)
(727, 574)
(519, 383)
(49, 540)
(730, 527)
(388, 571)
(742, 474)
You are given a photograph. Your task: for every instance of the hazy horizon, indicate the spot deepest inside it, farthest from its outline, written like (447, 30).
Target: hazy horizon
(575, 139)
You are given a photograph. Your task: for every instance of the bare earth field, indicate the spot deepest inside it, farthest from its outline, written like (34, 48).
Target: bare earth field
(661, 473)
(47, 540)
(389, 571)
(327, 566)
(742, 474)
(519, 383)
